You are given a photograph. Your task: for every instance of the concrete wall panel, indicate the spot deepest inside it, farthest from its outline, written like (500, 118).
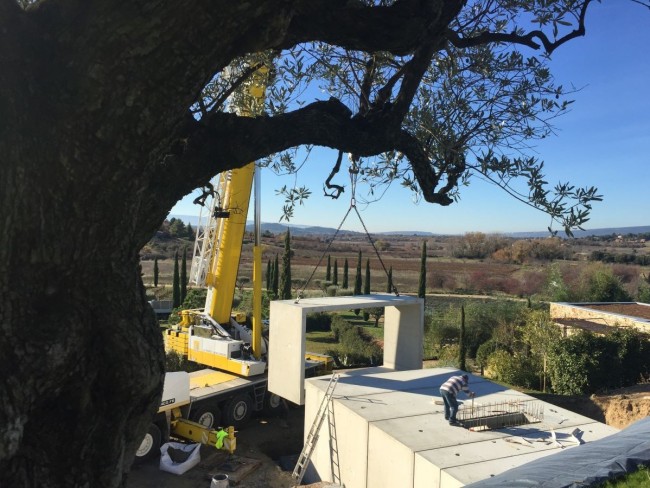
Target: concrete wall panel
(287, 352)
(390, 463)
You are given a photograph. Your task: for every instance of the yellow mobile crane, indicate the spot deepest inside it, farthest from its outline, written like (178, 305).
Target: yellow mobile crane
(235, 383)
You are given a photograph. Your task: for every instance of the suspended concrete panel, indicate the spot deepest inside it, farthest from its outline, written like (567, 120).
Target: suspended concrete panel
(403, 335)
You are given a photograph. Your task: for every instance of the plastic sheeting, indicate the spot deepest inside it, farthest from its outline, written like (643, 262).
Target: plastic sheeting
(582, 465)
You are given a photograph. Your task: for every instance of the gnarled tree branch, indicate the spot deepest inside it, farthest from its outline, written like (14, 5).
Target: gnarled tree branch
(528, 39)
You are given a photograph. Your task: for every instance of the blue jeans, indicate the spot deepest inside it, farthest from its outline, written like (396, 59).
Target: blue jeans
(451, 405)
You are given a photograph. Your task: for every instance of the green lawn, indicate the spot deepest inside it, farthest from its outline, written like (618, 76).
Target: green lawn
(638, 479)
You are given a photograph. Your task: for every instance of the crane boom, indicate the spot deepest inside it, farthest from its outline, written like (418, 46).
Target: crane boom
(211, 336)
(222, 275)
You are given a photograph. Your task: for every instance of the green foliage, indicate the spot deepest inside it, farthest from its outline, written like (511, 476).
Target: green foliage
(357, 281)
(177, 362)
(195, 298)
(485, 350)
(376, 313)
(570, 362)
(331, 290)
(177, 228)
(318, 321)
(512, 369)
(644, 294)
(355, 349)
(633, 351)
(602, 286)
(462, 346)
(468, 108)
(335, 274)
(556, 290)
(366, 283)
(269, 276)
(483, 318)
(285, 279)
(448, 356)
(184, 275)
(422, 284)
(635, 479)
(156, 272)
(176, 287)
(345, 273)
(328, 273)
(276, 277)
(389, 281)
(366, 288)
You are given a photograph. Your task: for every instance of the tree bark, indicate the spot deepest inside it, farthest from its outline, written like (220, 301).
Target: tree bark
(96, 145)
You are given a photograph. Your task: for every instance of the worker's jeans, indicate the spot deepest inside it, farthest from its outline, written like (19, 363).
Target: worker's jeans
(451, 405)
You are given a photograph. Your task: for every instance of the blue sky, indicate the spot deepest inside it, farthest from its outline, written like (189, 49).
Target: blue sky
(604, 142)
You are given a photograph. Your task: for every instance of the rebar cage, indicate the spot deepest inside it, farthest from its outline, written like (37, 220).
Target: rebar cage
(499, 415)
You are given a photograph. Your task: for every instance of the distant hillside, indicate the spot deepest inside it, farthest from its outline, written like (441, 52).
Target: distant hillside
(277, 228)
(642, 229)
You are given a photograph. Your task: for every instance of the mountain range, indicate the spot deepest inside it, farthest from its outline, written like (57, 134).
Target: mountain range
(277, 228)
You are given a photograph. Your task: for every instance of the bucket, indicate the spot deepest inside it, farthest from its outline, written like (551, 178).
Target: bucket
(220, 481)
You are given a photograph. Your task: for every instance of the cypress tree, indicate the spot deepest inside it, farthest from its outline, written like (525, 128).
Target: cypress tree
(345, 273)
(357, 282)
(176, 288)
(335, 274)
(285, 279)
(357, 277)
(366, 284)
(268, 276)
(184, 275)
(422, 287)
(328, 273)
(462, 346)
(276, 277)
(389, 283)
(156, 272)
(366, 288)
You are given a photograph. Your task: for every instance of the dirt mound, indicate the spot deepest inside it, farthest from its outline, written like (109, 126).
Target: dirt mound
(625, 406)
(618, 408)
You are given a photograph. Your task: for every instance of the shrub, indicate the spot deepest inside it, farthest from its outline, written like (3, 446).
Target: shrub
(512, 369)
(318, 321)
(484, 351)
(355, 349)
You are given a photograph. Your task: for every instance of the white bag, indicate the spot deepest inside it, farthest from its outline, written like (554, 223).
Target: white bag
(190, 452)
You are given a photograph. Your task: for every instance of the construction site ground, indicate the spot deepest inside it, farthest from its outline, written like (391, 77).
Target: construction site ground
(267, 443)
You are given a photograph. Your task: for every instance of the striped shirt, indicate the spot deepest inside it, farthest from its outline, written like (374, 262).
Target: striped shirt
(455, 384)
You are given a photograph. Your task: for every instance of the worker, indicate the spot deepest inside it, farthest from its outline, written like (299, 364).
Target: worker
(448, 392)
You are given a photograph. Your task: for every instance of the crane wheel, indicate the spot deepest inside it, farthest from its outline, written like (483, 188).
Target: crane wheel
(150, 445)
(273, 404)
(238, 410)
(208, 416)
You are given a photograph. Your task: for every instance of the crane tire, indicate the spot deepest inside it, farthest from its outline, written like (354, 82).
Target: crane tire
(150, 445)
(238, 410)
(273, 404)
(208, 416)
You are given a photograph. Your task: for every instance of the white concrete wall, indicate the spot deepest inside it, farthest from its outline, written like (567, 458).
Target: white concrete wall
(391, 432)
(403, 335)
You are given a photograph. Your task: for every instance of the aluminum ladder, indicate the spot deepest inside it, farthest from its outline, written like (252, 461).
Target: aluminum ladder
(312, 437)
